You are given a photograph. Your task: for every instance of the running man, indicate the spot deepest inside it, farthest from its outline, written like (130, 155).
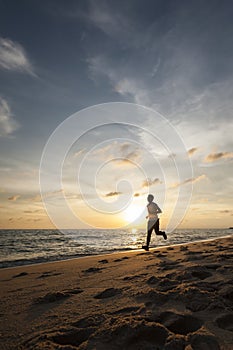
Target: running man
(153, 221)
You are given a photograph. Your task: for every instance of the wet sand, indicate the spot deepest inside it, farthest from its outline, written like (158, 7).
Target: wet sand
(172, 298)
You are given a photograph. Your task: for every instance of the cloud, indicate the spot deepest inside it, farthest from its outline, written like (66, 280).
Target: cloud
(36, 198)
(33, 211)
(113, 194)
(112, 22)
(212, 157)
(193, 150)
(51, 194)
(13, 57)
(124, 147)
(185, 86)
(136, 194)
(129, 159)
(14, 198)
(34, 220)
(7, 124)
(129, 86)
(121, 81)
(120, 153)
(192, 180)
(150, 182)
(105, 151)
(226, 211)
(78, 153)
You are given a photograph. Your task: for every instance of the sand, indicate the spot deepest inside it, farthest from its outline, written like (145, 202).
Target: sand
(172, 298)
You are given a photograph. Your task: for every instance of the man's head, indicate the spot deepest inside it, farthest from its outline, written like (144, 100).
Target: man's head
(150, 198)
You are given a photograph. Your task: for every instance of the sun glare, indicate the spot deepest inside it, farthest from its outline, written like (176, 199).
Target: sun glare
(132, 213)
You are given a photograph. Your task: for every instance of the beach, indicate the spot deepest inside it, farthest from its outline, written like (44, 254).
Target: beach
(174, 297)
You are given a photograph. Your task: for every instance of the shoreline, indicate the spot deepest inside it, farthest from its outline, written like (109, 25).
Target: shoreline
(177, 296)
(116, 252)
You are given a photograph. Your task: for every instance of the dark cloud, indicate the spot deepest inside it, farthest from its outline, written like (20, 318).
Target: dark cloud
(212, 157)
(113, 194)
(193, 150)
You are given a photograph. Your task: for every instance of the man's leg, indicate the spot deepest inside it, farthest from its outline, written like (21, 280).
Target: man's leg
(159, 233)
(149, 232)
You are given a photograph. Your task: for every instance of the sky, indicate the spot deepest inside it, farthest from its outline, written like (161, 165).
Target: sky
(149, 86)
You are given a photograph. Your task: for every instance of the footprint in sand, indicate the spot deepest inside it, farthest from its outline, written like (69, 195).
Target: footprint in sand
(193, 273)
(152, 280)
(227, 293)
(225, 322)
(183, 248)
(108, 293)
(57, 296)
(178, 323)
(133, 277)
(104, 261)
(71, 337)
(161, 255)
(121, 259)
(166, 284)
(20, 275)
(90, 321)
(203, 341)
(47, 274)
(126, 310)
(144, 253)
(212, 266)
(130, 334)
(200, 273)
(93, 269)
(152, 298)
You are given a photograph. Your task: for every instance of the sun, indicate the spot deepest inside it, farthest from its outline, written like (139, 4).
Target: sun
(132, 213)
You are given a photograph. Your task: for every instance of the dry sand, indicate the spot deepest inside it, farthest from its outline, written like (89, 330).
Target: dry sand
(173, 298)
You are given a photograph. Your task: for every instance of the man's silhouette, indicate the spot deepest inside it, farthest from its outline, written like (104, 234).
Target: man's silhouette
(153, 221)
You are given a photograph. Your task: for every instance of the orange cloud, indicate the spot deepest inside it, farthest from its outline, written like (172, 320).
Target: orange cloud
(14, 198)
(191, 180)
(120, 153)
(150, 182)
(129, 159)
(78, 153)
(33, 211)
(38, 198)
(212, 157)
(193, 150)
(136, 194)
(113, 194)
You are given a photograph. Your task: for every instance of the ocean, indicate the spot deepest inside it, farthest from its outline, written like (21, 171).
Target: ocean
(25, 247)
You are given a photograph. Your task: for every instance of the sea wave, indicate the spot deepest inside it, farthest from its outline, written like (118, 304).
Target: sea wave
(24, 247)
